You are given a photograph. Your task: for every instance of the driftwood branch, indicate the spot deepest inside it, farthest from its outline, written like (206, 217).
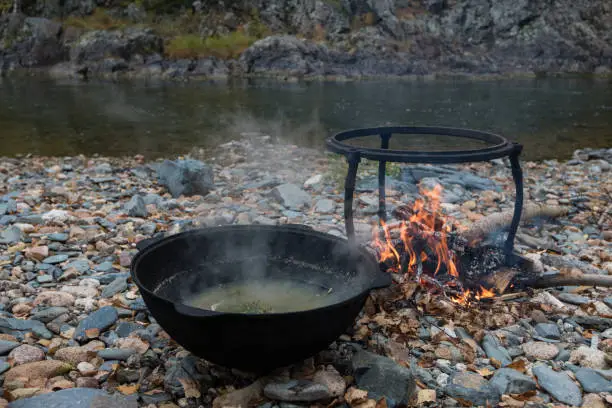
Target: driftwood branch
(494, 222)
(567, 262)
(561, 280)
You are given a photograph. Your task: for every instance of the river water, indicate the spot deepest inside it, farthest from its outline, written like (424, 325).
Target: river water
(550, 117)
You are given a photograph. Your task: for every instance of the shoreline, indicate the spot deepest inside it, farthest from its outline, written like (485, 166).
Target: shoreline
(69, 226)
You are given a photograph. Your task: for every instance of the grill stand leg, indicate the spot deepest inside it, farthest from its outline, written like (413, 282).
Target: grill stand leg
(382, 172)
(353, 159)
(517, 174)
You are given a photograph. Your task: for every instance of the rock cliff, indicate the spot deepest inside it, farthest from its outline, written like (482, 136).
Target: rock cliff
(345, 38)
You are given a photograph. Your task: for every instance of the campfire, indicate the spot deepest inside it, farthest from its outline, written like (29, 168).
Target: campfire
(425, 247)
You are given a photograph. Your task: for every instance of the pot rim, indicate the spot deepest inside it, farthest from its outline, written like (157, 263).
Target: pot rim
(380, 279)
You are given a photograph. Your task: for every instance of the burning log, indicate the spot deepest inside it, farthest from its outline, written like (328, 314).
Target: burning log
(494, 222)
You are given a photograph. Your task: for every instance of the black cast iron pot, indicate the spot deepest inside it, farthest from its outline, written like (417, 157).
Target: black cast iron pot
(174, 267)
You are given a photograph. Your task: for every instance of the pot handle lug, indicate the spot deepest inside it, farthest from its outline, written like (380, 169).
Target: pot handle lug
(189, 311)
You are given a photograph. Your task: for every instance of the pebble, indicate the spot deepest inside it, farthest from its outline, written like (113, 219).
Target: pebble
(548, 330)
(100, 320)
(26, 354)
(510, 381)
(559, 385)
(116, 286)
(538, 350)
(495, 350)
(55, 259)
(588, 357)
(74, 355)
(116, 354)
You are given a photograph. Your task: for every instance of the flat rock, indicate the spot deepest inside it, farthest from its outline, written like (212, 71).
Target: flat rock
(325, 206)
(383, 377)
(559, 385)
(10, 235)
(473, 388)
(495, 350)
(18, 328)
(548, 330)
(7, 346)
(593, 322)
(76, 398)
(48, 314)
(116, 286)
(539, 350)
(297, 391)
(116, 354)
(592, 381)
(55, 259)
(572, 298)
(510, 381)
(291, 196)
(101, 319)
(74, 355)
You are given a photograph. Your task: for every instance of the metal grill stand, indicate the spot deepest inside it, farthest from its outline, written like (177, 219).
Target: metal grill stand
(498, 147)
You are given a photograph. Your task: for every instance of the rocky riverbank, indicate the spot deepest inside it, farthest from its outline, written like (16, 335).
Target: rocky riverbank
(76, 333)
(305, 38)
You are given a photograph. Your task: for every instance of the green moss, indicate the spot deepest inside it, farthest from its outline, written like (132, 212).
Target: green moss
(99, 20)
(6, 6)
(224, 47)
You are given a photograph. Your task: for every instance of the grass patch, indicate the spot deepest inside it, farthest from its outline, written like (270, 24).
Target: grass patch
(99, 20)
(224, 47)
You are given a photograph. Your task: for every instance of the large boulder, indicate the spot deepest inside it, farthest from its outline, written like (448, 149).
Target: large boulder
(111, 51)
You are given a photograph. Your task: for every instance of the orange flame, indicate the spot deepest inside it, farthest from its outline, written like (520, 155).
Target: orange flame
(425, 228)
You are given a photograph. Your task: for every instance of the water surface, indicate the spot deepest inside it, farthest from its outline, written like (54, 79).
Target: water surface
(550, 117)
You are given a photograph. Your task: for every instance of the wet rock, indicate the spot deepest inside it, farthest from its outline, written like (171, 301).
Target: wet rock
(383, 377)
(76, 398)
(186, 177)
(548, 331)
(510, 381)
(116, 286)
(297, 391)
(540, 350)
(7, 346)
(592, 381)
(559, 385)
(291, 196)
(495, 350)
(100, 320)
(136, 207)
(473, 388)
(26, 354)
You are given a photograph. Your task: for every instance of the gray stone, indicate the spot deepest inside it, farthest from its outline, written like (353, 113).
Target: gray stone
(495, 350)
(116, 286)
(297, 391)
(116, 354)
(593, 322)
(186, 369)
(591, 381)
(101, 319)
(6, 346)
(572, 298)
(383, 377)
(105, 266)
(325, 206)
(510, 381)
(44, 278)
(81, 265)
(55, 259)
(473, 388)
(186, 177)
(58, 237)
(136, 207)
(608, 301)
(18, 328)
(548, 331)
(559, 385)
(76, 398)
(48, 314)
(10, 235)
(291, 196)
